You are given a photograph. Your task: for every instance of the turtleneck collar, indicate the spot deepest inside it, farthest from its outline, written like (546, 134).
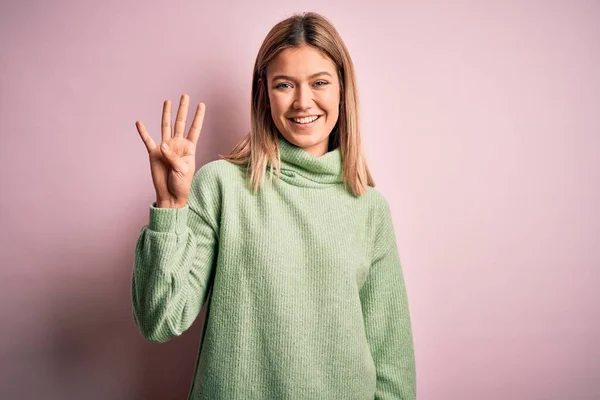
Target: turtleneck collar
(301, 168)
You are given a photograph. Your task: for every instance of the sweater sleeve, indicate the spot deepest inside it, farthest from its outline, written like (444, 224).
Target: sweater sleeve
(387, 319)
(175, 256)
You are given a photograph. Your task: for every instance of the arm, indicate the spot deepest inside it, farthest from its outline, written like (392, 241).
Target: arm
(387, 319)
(174, 259)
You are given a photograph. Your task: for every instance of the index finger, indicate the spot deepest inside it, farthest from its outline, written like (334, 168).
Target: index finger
(197, 124)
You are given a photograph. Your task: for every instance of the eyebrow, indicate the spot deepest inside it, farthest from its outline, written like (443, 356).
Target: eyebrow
(289, 78)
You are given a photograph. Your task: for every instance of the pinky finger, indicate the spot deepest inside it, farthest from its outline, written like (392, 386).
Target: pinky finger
(146, 138)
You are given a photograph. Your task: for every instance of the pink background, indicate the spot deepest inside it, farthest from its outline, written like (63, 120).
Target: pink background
(481, 124)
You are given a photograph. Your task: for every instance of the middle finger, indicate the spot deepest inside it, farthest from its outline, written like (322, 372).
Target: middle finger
(181, 118)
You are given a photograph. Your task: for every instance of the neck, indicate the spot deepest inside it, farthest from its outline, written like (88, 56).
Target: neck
(318, 149)
(302, 168)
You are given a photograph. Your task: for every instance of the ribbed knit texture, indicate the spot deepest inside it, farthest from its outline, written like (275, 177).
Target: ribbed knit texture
(307, 293)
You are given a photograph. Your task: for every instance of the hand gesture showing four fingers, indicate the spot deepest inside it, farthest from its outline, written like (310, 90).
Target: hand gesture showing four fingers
(172, 163)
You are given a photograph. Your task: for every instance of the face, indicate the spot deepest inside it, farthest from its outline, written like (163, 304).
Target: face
(304, 97)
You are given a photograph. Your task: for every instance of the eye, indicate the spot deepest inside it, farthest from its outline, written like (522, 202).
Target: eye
(280, 86)
(323, 83)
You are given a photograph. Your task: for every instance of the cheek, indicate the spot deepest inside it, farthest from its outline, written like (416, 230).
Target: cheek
(330, 101)
(278, 106)
(278, 112)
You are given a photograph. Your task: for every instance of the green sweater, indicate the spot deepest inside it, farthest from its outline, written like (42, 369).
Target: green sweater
(307, 293)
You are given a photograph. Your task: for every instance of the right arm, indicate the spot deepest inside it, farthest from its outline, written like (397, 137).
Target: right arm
(175, 256)
(176, 252)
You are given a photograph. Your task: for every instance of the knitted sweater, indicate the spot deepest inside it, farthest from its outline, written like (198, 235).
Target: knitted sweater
(307, 294)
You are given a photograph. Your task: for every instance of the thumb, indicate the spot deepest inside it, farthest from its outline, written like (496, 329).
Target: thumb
(176, 162)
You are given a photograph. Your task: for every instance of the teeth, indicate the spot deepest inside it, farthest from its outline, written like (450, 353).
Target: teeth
(306, 120)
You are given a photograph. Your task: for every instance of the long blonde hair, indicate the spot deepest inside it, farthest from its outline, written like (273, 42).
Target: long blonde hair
(261, 145)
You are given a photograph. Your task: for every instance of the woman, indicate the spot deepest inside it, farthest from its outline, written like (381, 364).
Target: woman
(307, 294)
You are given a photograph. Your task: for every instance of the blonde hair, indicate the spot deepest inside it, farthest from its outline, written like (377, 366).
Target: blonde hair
(261, 145)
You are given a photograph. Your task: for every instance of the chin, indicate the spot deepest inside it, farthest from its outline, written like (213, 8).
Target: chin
(305, 140)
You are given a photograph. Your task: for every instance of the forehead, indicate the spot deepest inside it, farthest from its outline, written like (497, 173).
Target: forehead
(300, 62)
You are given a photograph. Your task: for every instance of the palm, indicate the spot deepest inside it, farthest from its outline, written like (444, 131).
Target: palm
(168, 177)
(173, 169)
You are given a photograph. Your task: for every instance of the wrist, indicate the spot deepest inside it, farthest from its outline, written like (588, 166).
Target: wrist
(170, 204)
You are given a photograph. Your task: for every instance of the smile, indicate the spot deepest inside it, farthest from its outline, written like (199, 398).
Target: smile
(305, 120)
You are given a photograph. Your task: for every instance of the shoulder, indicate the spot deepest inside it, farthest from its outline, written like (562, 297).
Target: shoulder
(211, 181)
(380, 217)
(217, 175)
(218, 170)
(377, 204)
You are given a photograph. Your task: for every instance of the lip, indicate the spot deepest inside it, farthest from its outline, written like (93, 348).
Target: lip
(305, 116)
(304, 126)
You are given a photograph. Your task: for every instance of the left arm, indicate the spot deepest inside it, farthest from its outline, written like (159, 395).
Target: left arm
(387, 319)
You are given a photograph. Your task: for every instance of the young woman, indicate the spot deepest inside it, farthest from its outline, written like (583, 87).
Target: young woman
(307, 293)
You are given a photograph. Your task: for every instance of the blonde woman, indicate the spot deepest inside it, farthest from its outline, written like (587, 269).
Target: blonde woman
(297, 248)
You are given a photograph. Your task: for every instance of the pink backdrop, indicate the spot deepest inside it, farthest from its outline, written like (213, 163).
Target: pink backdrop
(481, 124)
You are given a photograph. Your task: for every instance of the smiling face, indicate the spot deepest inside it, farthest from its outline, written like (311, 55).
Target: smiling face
(304, 97)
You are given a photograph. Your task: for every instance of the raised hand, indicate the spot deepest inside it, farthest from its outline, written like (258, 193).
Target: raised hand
(172, 163)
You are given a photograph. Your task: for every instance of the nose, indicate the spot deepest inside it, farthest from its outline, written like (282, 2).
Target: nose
(303, 99)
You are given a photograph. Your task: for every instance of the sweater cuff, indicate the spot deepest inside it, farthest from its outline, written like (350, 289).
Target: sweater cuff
(168, 219)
